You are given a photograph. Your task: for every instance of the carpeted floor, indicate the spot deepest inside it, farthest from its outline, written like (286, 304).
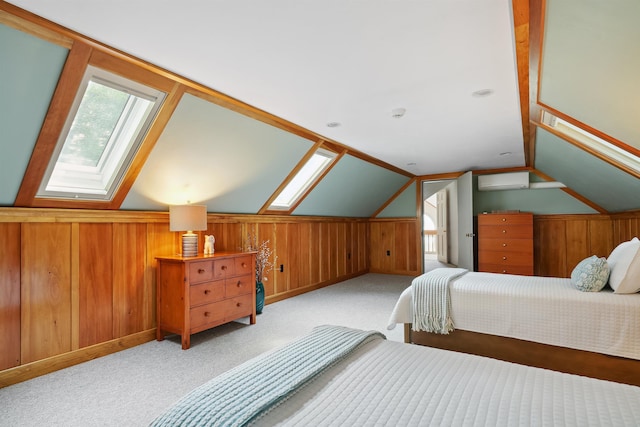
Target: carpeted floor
(132, 387)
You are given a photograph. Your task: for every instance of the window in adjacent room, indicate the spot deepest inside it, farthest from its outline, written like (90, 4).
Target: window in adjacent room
(303, 180)
(108, 120)
(591, 141)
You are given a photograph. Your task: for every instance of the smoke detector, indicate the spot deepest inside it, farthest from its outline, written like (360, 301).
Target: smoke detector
(396, 113)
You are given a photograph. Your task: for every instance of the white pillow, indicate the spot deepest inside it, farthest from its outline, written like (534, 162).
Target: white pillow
(624, 262)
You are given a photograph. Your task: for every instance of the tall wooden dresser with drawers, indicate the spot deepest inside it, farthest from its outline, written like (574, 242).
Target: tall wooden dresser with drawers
(198, 293)
(505, 243)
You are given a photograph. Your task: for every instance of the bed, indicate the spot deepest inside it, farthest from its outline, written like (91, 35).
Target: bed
(539, 321)
(338, 376)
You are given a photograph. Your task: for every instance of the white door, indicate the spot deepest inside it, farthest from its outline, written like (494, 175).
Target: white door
(441, 226)
(465, 221)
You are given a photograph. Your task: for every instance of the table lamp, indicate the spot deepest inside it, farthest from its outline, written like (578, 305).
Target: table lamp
(188, 218)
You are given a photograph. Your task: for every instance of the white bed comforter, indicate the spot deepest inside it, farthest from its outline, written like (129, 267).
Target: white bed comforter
(548, 310)
(389, 383)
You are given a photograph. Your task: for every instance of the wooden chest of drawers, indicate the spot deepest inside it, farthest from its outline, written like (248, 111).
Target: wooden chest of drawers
(198, 293)
(505, 243)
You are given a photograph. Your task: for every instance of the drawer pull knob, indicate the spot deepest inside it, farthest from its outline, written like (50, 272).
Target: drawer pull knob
(238, 304)
(207, 292)
(504, 271)
(504, 257)
(504, 219)
(504, 231)
(504, 245)
(224, 267)
(239, 283)
(244, 265)
(200, 270)
(207, 314)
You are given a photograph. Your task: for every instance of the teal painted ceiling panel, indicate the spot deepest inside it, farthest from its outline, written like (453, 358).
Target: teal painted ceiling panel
(404, 206)
(591, 64)
(29, 72)
(352, 188)
(211, 155)
(604, 184)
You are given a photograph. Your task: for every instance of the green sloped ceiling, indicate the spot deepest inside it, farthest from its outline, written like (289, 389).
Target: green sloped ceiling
(591, 64)
(607, 186)
(209, 154)
(403, 206)
(30, 69)
(352, 188)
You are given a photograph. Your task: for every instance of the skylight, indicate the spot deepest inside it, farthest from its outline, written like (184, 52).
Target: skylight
(591, 141)
(303, 180)
(107, 123)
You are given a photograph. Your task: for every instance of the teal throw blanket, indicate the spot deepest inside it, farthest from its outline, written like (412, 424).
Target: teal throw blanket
(242, 393)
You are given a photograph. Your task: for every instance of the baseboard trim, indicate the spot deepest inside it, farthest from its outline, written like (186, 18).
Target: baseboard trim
(51, 364)
(300, 291)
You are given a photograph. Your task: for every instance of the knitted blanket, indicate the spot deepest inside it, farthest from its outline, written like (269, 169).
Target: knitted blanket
(242, 393)
(432, 301)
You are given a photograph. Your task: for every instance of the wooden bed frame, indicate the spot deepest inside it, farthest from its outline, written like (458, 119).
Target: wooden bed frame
(585, 363)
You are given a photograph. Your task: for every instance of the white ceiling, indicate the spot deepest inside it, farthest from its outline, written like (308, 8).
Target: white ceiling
(352, 62)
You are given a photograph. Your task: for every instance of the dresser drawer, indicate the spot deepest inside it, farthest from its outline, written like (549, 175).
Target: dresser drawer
(208, 315)
(522, 270)
(200, 271)
(243, 265)
(505, 245)
(239, 285)
(206, 292)
(505, 219)
(223, 268)
(505, 232)
(237, 307)
(504, 258)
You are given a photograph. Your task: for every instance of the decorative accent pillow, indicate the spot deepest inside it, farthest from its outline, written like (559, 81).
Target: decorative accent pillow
(591, 274)
(624, 263)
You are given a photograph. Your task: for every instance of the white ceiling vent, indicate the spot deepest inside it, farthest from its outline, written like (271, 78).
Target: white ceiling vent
(503, 181)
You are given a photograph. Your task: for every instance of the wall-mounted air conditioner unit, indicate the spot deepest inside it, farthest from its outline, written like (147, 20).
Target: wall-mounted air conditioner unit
(504, 181)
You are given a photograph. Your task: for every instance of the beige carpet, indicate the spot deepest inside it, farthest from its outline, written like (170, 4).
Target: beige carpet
(132, 387)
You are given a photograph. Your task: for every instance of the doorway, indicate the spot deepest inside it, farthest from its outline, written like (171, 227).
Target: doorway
(447, 223)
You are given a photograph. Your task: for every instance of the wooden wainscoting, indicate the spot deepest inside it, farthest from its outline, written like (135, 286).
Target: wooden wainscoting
(562, 241)
(79, 284)
(395, 246)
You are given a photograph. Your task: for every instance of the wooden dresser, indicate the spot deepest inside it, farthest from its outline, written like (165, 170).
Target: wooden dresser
(198, 293)
(505, 243)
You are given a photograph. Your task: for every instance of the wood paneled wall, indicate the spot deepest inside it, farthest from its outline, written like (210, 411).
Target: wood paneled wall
(75, 284)
(395, 246)
(561, 241)
(79, 284)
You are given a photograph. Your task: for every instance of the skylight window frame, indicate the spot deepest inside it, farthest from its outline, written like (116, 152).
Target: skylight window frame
(301, 189)
(118, 155)
(603, 148)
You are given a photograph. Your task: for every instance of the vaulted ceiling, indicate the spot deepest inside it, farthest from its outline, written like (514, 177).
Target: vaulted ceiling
(471, 76)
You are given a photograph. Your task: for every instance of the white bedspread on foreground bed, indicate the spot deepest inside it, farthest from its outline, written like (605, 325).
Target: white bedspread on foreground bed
(547, 310)
(388, 383)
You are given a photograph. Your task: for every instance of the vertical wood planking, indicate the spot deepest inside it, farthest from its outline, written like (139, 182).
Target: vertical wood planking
(160, 241)
(9, 295)
(577, 243)
(550, 248)
(341, 253)
(600, 238)
(95, 279)
(45, 290)
(315, 245)
(280, 245)
(129, 290)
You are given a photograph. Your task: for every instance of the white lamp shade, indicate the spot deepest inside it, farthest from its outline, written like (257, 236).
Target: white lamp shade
(187, 218)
